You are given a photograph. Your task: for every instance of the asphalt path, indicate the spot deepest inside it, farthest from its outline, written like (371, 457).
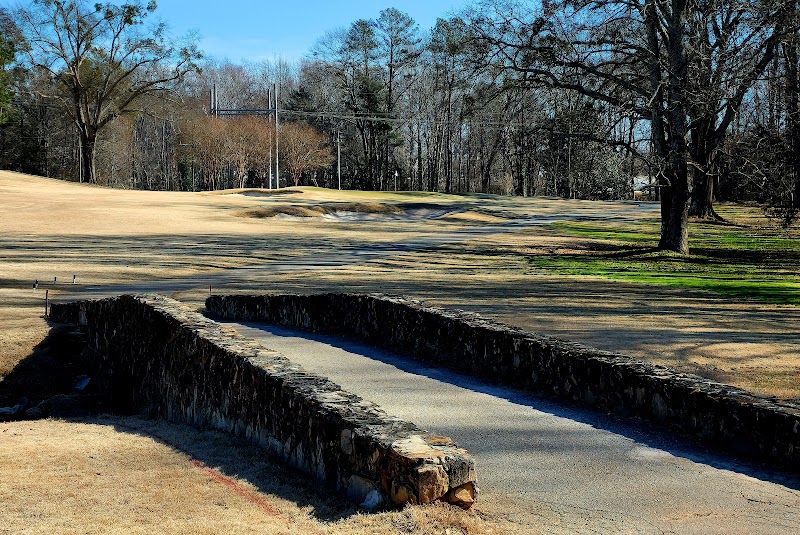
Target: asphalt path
(554, 467)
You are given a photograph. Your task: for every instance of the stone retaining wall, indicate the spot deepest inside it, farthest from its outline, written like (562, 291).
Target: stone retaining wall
(713, 413)
(152, 355)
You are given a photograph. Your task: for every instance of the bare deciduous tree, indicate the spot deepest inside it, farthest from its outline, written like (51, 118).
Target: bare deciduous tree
(304, 149)
(684, 67)
(207, 136)
(100, 59)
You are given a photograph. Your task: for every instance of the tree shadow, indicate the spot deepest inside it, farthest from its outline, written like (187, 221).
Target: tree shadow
(50, 370)
(47, 378)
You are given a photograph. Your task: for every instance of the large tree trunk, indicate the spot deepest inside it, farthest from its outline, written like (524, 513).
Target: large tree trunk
(669, 133)
(675, 201)
(702, 148)
(702, 204)
(88, 141)
(674, 219)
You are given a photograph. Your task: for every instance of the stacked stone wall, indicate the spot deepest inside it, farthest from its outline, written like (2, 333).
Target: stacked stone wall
(152, 355)
(713, 413)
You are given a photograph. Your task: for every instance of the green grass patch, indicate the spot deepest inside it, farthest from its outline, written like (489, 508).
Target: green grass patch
(754, 263)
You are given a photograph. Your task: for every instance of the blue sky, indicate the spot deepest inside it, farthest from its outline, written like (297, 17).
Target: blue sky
(255, 30)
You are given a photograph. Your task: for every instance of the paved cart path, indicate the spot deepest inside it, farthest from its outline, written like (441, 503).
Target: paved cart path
(552, 465)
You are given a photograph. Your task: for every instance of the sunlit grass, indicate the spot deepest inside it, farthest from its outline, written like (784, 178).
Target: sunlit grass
(759, 263)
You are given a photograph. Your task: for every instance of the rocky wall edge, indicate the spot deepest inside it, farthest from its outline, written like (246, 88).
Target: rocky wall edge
(152, 355)
(712, 413)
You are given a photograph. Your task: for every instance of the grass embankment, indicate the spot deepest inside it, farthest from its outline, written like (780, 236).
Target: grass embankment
(760, 262)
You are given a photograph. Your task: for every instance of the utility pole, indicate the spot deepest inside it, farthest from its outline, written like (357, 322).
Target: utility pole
(269, 105)
(214, 100)
(339, 156)
(277, 125)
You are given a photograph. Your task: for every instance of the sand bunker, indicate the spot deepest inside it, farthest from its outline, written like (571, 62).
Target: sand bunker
(354, 211)
(261, 192)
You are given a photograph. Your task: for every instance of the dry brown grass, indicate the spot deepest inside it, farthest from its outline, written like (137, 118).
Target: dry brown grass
(23, 326)
(50, 228)
(127, 475)
(75, 477)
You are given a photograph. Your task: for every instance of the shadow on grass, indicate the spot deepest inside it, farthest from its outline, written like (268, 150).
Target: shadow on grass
(48, 375)
(50, 370)
(233, 457)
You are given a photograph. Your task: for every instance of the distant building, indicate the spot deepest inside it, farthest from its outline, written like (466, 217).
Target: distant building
(644, 188)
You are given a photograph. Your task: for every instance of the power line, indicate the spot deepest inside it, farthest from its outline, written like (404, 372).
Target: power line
(478, 122)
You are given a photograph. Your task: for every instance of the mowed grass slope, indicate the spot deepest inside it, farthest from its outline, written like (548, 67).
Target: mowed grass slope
(559, 279)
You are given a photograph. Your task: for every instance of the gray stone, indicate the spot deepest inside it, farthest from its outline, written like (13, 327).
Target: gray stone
(152, 355)
(719, 415)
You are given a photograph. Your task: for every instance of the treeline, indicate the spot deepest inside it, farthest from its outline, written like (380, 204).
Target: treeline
(695, 101)
(405, 104)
